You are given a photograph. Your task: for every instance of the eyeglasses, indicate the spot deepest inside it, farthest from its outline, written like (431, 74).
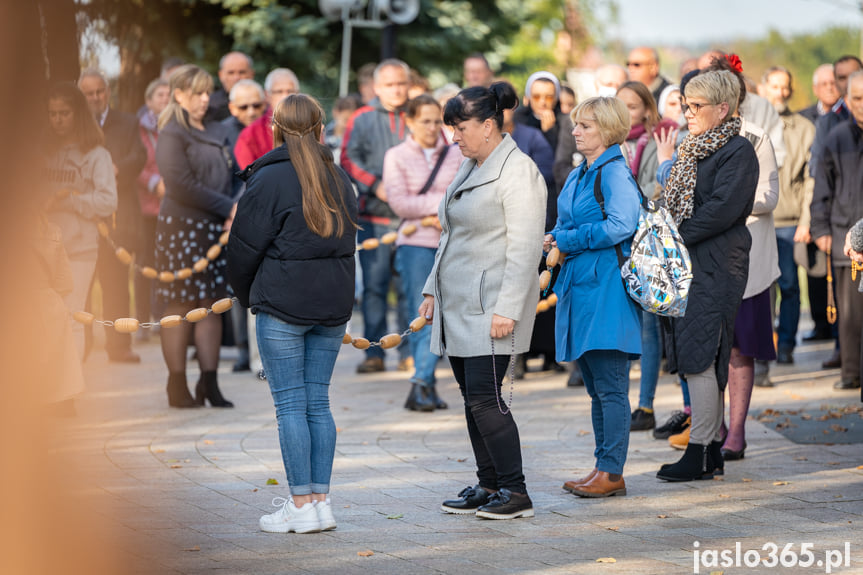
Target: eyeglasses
(636, 64)
(256, 106)
(694, 108)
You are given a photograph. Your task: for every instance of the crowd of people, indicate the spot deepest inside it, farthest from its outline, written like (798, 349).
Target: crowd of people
(478, 183)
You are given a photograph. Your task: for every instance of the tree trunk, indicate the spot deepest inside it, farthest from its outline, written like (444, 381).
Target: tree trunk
(61, 35)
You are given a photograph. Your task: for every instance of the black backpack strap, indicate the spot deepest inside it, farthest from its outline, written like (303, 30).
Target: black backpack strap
(597, 193)
(436, 169)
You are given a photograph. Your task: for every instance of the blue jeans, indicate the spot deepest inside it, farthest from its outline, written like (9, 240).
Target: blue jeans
(789, 288)
(651, 357)
(606, 378)
(299, 361)
(414, 265)
(377, 275)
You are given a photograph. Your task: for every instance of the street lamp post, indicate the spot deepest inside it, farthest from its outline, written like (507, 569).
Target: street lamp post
(378, 14)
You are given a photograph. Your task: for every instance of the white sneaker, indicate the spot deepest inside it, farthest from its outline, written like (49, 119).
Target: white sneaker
(325, 515)
(288, 518)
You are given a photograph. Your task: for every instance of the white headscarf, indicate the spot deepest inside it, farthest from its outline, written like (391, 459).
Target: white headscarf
(543, 76)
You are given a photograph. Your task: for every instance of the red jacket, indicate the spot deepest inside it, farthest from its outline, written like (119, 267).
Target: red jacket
(255, 140)
(149, 177)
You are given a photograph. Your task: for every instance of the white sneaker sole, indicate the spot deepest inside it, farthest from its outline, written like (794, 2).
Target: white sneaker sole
(308, 528)
(516, 515)
(456, 511)
(328, 526)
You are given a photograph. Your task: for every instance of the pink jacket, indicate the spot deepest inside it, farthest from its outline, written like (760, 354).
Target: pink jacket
(405, 173)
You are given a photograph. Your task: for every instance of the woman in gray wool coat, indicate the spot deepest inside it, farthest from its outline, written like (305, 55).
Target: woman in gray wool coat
(482, 292)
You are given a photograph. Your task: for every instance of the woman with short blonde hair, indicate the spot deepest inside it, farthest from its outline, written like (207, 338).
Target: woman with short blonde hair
(597, 211)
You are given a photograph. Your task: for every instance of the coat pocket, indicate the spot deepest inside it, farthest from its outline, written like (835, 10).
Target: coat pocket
(475, 295)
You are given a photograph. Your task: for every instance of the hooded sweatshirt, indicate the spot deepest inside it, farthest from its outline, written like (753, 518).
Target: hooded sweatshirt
(88, 189)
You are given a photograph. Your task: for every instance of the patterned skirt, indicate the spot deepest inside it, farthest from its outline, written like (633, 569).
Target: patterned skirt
(180, 242)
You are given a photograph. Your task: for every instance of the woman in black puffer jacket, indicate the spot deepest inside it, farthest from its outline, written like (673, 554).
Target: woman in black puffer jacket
(291, 259)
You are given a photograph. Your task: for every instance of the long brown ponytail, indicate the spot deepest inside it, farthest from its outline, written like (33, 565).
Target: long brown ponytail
(298, 121)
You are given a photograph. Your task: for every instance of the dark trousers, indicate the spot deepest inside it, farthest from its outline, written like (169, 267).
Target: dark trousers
(493, 436)
(114, 279)
(818, 302)
(849, 301)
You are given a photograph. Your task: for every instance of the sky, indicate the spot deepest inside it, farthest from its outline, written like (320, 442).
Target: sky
(670, 22)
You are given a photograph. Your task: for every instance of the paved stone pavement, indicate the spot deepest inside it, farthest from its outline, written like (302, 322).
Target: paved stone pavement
(187, 487)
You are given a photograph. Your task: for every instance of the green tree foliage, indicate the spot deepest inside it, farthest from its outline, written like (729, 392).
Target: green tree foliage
(801, 54)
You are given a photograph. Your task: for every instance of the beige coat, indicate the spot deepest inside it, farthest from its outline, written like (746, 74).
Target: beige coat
(493, 218)
(763, 255)
(795, 183)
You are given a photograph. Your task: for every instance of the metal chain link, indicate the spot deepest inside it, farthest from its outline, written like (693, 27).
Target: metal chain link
(511, 377)
(403, 335)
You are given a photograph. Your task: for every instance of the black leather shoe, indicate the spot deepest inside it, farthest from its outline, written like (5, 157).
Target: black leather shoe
(731, 455)
(675, 424)
(834, 361)
(125, 356)
(642, 420)
(506, 505)
(419, 399)
(785, 357)
(818, 335)
(436, 399)
(845, 384)
(470, 499)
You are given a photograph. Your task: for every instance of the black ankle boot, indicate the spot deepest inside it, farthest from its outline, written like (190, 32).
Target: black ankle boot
(693, 465)
(715, 461)
(208, 388)
(435, 399)
(178, 391)
(419, 399)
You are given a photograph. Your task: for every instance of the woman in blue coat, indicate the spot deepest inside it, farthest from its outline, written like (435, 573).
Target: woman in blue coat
(598, 324)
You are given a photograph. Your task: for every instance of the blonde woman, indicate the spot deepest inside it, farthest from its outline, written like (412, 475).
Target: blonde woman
(197, 168)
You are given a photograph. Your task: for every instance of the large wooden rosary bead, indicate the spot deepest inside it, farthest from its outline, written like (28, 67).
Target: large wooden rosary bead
(170, 321)
(222, 305)
(418, 323)
(196, 314)
(126, 325)
(361, 343)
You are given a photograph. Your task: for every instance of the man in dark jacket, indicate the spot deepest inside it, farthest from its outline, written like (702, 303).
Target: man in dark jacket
(837, 204)
(842, 69)
(824, 88)
(371, 131)
(129, 156)
(233, 67)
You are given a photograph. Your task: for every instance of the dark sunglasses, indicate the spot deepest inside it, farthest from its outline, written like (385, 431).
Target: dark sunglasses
(256, 106)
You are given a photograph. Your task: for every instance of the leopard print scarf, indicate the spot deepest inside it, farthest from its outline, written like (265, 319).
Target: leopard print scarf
(679, 191)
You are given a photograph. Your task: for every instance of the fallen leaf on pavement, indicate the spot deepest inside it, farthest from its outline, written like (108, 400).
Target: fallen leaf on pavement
(461, 459)
(746, 480)
(724, 496)
(176, 466)
(780, 483)
(158, 451)
(806, 417)
(272, 481)
(717, 572)
(209, 442)
(583, 432)
(613, 528)
(662, 516)
(838, 428)
(255, 490)
(718, 478)
(195, 548)
(395, 516)
(606, 560)
(801, 459)
(365, 553)
(833, 463)
(860, 467)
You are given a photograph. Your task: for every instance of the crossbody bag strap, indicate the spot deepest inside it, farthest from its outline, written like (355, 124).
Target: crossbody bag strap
(436, 169)
(597, 194)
